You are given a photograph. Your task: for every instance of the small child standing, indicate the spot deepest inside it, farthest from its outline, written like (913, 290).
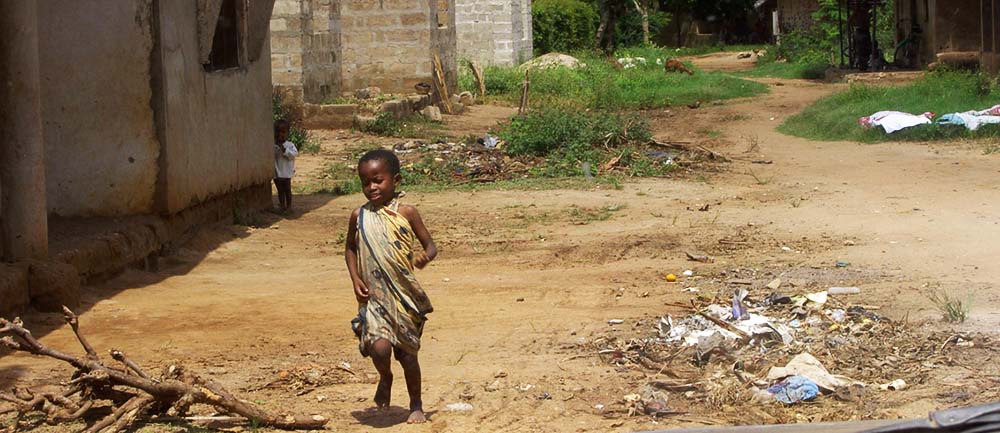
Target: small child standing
(381, 260)
(284, 164)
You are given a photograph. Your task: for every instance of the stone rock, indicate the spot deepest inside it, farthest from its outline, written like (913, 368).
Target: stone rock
(457, 108)
(368, 93)
(432, 113)
(52, 285)
(552, 60)
(467, 98)
(13, 289)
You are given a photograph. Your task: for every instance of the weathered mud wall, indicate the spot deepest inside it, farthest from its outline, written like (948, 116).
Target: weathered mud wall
(100, 143)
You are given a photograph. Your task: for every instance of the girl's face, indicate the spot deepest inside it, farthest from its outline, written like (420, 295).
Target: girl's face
(378, 184)
(280, 134)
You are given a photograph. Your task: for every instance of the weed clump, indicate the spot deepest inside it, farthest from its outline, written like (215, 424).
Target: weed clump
(952, 308)
(386, 124)
(569, 140)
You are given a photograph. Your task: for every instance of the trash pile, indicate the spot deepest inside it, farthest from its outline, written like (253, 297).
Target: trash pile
(481, 161)
(484, 160)
(892, 121)
(766, 351)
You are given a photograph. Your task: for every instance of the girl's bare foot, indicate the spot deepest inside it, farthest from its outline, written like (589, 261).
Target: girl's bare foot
(383, 394)
(416, 417)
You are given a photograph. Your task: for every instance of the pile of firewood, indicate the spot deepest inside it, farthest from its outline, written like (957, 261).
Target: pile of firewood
(131, 392)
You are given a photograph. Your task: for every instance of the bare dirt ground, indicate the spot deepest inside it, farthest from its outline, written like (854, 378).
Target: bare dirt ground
(527, 281)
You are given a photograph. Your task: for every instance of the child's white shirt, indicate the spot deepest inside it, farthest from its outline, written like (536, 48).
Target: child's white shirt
(284, 160)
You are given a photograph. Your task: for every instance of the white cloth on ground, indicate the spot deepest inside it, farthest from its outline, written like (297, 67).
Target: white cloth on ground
(284, 159)
(892, 121)
(972, 119)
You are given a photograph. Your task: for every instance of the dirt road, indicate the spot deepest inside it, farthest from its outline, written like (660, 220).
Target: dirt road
(526, 279)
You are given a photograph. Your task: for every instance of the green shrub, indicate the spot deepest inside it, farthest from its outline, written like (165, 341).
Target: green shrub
(569, 138)
(563, 25)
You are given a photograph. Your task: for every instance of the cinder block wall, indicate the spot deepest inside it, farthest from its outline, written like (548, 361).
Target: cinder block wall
(390, 44)
(326, 48)
(495, 32)
(304, 48)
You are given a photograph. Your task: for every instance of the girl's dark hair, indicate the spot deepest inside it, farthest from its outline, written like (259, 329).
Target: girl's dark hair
(281, 123)
(386, 156)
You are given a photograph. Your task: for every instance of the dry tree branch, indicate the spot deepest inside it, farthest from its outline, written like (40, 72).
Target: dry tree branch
(132, 391)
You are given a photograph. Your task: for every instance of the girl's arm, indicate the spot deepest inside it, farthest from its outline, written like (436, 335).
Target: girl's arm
(351, 257)
(417, 224)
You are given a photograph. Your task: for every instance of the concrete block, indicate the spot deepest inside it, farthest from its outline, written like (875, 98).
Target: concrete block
(329, 116)
(13, 289)
(52, 285)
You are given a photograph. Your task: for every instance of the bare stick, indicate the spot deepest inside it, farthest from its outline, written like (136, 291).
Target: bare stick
(525, 89)
(119, 356)
(74, 322)
(477, 74)
(442, 84)
(724, 324)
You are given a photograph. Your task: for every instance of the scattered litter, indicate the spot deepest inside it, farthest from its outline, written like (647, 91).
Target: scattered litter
(687, 273)
(804, 364)
(774, 284)
(692, 289)
(499, 374)
(320, 398)
(492, 387)
(599, 406)
(698, 257)
(837, 315)
(739, 309)
(833, 291)
(794, 389)
(615, 321)
(843, 264)
(525, 387)
(777, 299)
(519, 300)
(458, 407)
(447, 280)
(671, 278)
(490, 141)
(786, 248)
(892, 121)
(896, 385)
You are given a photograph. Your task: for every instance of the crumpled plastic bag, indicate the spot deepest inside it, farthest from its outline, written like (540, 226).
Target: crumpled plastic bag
(794, 389)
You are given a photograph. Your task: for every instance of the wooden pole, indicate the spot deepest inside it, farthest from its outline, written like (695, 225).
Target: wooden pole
(525, 89)
(442, 85)
(477, 74)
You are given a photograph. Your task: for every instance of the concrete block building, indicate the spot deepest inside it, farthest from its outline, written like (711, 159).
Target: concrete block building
(323, 49)
(127, 108)
(494, 32)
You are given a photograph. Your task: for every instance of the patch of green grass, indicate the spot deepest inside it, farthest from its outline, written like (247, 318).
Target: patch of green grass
(587, 215)
(952, 308)
(416, 126)
(602, 85)
(836, 117)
